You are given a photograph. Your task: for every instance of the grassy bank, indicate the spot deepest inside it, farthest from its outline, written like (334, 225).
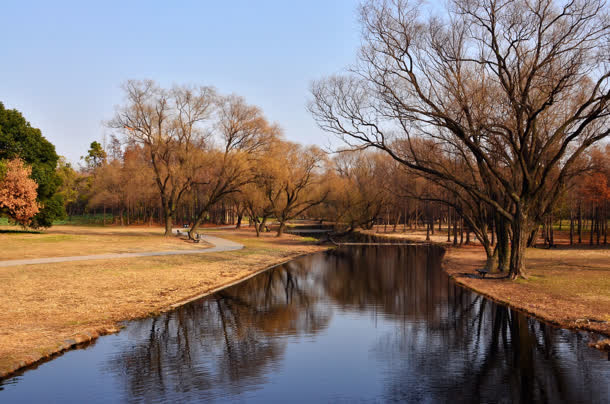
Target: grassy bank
(47, 308)
(567, 285)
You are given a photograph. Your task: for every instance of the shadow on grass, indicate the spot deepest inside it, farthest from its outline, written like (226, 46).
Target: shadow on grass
(2, 231)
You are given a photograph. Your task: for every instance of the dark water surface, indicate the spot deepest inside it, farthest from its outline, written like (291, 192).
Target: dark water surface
(351, 325)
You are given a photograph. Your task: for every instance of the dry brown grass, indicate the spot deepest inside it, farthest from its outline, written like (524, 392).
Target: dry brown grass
(44, 305)
(566, 285)
(65, 241)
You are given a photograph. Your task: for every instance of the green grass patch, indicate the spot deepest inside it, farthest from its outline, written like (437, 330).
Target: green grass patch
(88, 220)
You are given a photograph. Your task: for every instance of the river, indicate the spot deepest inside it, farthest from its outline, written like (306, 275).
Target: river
(356, 324)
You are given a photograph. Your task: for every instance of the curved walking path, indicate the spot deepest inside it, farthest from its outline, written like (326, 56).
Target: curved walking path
(218, 245)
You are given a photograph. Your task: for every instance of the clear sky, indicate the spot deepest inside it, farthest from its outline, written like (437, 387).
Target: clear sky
(63, 62)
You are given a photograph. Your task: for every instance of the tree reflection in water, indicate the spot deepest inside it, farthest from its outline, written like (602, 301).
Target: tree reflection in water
(226, 342)
(441, 343)
(450, 344)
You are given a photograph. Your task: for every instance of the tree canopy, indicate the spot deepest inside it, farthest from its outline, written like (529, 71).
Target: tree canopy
(18, 139)
(17, 192)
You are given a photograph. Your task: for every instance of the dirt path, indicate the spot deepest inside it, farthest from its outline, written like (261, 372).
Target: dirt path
(218, 245)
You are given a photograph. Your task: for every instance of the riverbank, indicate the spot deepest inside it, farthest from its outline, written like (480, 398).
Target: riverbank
(49, 308)
(567, 286)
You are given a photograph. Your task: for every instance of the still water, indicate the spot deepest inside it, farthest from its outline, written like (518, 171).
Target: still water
(351, 325)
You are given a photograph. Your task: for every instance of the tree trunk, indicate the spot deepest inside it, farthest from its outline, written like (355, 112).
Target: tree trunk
(605, 221)
(387, 219)
(591, 227)
(493, 232)
(448, 225)
(254, 221)
(455, 221)
(168, 224)
(263, 224)
(521, 230)
(280, 230)
(552, 234)
(196, 224)
(579, 223)
(598, 224)
(503, 244)
(239, 217)
(396, 222)
(545, 238)
(571, 227)
(533, 237)
(461, 231)
(491, 255)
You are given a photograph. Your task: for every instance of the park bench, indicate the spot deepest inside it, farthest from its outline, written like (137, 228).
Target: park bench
(482, 272)
(197, 238)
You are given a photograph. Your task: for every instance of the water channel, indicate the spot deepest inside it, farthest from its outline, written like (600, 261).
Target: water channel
(355, 324)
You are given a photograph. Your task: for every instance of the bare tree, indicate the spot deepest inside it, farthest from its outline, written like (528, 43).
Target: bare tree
(244, 134)
(357, 195)
(520, 87)
(297, 185)
(169, 126)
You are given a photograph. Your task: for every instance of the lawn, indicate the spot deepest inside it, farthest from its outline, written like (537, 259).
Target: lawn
(62, 241)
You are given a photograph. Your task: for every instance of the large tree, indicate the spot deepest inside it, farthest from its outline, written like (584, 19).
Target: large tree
(357, 194)
(519, 89)
(18, 139)
(243, 134)
(293, 182)
(170, 127)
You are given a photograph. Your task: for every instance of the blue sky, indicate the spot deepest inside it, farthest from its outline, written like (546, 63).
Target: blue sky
(63, 62)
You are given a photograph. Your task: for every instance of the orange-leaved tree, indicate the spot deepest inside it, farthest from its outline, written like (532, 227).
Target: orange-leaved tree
(17, 191)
